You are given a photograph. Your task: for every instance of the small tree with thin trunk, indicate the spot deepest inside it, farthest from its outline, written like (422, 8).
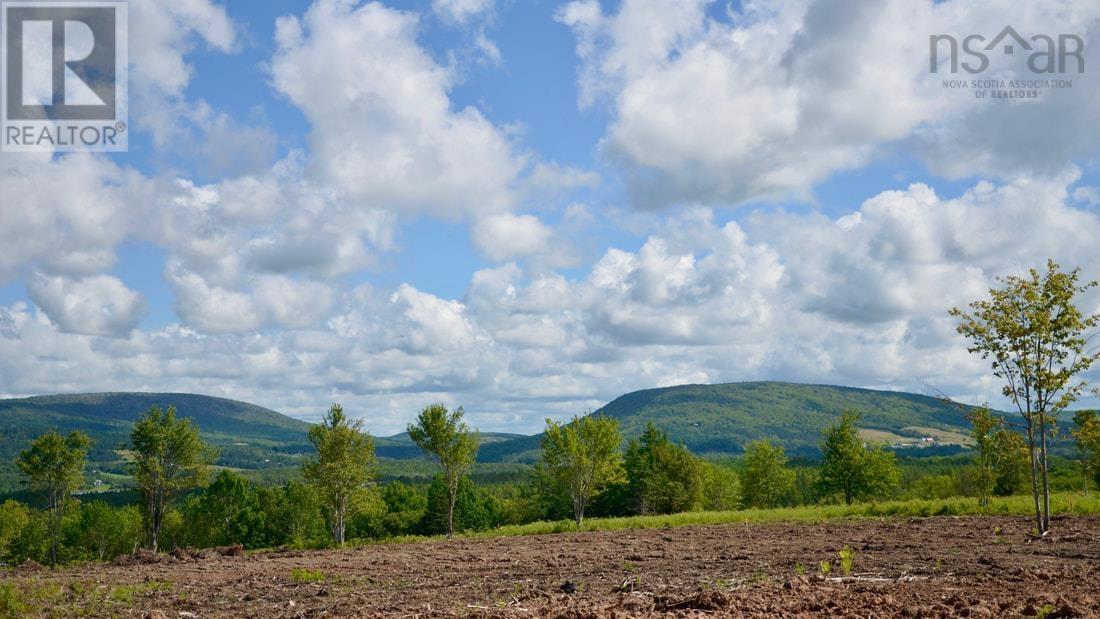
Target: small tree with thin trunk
(343, 466)
(983, 429)
(446, 437)
(170, 458)
(583, 458)
(1086, 434)
(1035, 336)
(54, 465)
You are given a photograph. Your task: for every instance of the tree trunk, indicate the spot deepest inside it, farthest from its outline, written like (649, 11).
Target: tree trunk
(1034, 479)
(1046, 475)
(451, 514)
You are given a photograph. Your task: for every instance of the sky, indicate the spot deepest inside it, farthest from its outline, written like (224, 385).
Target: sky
(530, 207)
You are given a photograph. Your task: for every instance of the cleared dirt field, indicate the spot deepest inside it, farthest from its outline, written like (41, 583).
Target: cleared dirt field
(931, 567)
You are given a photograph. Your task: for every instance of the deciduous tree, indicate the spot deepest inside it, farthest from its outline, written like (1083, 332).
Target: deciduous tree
(1086, 434)
(446, 437)
(342, 467)
(54, 466)
(170, 458)
(583, 458)
(852, 469)
(765, 478)
(1034, 334)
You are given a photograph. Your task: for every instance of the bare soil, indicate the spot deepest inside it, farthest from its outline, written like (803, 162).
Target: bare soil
(929, 567)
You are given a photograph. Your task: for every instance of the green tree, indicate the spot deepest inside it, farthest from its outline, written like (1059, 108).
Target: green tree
(1035, 335)
(170, 458)
(226, 512)
(293, 516)
(583, 458)
(1086, 435)
(721, 488)
(105, 532)
(850, 468)
(446, 437)
(475, 509)
(405, 508)
(1010, 462)
(343, 466)
(14, 518)
(983, 429)
(663, 477)
(54, 466)
(765, 478)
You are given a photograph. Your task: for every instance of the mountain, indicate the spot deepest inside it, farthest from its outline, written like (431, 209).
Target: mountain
(724, 418)
(246, 435)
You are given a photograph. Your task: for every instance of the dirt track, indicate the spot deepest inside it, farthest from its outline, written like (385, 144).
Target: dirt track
(977, 567)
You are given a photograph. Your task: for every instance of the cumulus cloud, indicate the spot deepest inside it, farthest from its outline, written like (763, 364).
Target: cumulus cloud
(780, 96)
(384, 131)
(97, 305)
(857, 299)
(504, 237)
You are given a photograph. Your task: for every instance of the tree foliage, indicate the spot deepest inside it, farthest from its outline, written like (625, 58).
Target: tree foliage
(664, 478)
(54, 466)
(446, 437)
(984, 426)
(583, 458)
(1086, 435)
(852, 469)
(1034, 335)
(169, 458)
(342, 467)
(765, 478)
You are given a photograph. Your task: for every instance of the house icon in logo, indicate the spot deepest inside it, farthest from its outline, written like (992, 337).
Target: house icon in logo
(1008, 31)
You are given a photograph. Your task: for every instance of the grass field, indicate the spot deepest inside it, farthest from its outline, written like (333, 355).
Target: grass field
(1061, 504)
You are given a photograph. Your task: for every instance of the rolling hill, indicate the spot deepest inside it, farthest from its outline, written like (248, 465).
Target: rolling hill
(716, 419)
(724, 418)
(246, 435)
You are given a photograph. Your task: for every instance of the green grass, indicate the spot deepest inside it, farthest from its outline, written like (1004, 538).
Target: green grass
(302, 575)
(79, 599)
(1062, 503)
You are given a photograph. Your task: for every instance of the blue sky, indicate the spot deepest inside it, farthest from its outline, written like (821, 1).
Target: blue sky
(529, 208)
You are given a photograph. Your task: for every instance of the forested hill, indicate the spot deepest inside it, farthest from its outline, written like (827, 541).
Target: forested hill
(724, 418)
(247, 435)
(706, 418)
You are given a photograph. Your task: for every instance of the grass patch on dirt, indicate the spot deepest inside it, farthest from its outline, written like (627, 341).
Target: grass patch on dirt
(82, 599)
(1061, 504)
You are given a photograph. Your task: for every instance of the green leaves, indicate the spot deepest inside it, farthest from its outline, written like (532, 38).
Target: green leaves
(665, 478)
(446, 437)
(54, 466)
(1035, 336)
(583, 457)
(849, 468)
(765, 478)
(170, 458)
(343, 465)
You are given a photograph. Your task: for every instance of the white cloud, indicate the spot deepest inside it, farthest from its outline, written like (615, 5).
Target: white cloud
(97, 305)
(385, 134)
(504, 237)
(461, 11)
(781, 96)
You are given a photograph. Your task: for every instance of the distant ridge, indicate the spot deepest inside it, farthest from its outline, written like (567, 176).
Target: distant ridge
(248, 436)
(723, 418)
